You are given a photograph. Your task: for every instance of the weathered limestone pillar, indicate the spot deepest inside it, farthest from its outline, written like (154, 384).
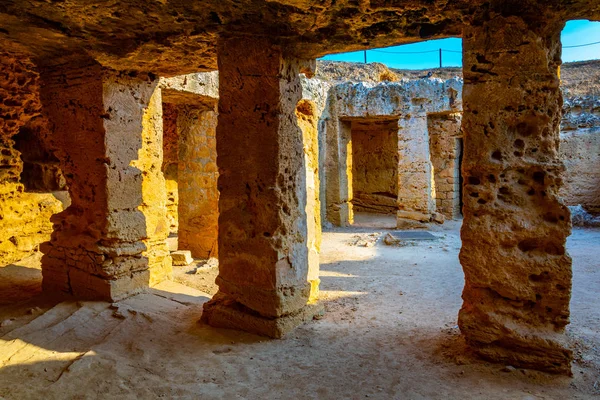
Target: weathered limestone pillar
(263, 260)
(107, 129)
(445, 144)
(306, 111)
(197, 181)
(517, 271)
(170, 167)
(416, 202)
(338, 170)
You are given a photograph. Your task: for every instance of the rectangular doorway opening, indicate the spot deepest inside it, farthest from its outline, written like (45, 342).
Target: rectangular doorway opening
(374, 169)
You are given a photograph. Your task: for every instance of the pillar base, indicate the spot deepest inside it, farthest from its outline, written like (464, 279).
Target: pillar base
(224, 312)
(85, 286)
(94, 272)
(549, 357)
(542, 351)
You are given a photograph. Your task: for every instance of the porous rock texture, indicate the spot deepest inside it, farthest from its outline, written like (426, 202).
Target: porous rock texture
(175, 38)
(306, 112)
(263, 253)
(190, 119)
(517, 271)
(170, 167)
(24, 217)
(580, 151)
(109, 242)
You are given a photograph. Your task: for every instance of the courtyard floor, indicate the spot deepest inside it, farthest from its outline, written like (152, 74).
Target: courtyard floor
(389, 332)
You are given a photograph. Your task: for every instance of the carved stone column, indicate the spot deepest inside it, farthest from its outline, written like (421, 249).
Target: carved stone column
(517, 271)
(107, 130)
(263, 254)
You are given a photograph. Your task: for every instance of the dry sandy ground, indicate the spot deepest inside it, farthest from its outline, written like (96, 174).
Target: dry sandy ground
(389, 333)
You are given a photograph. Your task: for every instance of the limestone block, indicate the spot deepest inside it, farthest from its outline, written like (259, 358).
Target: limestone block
(182, 257)
(414, 215)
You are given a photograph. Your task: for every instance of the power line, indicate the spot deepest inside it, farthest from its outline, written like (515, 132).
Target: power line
(414, 52)
(441, 51)
(460, 52)
(581, 45)
(404, 52)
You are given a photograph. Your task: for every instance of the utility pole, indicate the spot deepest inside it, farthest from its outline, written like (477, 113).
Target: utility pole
(365, 56)
(440, 58)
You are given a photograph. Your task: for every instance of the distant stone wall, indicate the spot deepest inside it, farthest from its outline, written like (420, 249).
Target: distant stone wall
(408, 102)
(24, 217)
(580, 152)
(375, 166)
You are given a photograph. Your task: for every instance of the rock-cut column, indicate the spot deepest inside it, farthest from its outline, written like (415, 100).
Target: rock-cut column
(263, 254)
(107, 131)
(517, 271)
(338, 170)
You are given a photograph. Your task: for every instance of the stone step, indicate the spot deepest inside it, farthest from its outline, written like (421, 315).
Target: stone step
(53, 316)
(31, 338)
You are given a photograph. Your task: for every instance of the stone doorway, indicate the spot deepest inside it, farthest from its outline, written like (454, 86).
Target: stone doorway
(190, 170)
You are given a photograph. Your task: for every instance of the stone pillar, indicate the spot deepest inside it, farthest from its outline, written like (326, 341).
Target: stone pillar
(107, 128)
(170, 167)
(263, 260)
(445, 146)
(416, 202)
(197, 180)
(517, 271)
(338, 169)
(307, 114)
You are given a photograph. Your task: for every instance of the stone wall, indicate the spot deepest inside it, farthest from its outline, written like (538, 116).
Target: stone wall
(375, 165)
(190, 119)
(580, 152)
(41, 170)
(445, 141)
(24, 217)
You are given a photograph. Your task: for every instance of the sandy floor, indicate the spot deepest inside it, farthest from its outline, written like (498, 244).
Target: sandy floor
(389, 333)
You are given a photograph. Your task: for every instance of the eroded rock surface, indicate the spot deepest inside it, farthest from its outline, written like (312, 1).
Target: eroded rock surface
(517, 271)
(24, 217)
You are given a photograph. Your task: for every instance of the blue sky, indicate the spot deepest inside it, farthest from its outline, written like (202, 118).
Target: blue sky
(575, 33)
